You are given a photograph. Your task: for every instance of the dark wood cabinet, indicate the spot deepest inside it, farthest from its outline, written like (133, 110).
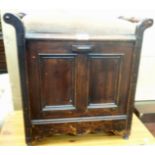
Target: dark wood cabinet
(74, 83)
(76, 86)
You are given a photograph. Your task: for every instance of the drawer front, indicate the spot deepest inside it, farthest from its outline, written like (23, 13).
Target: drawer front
(69, 79)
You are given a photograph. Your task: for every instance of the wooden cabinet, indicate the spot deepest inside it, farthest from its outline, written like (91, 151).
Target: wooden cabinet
(73, 85)
(78, 82)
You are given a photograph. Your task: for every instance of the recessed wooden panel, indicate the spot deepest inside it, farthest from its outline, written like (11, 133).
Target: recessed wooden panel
(104, 82)
(57, 81)
(82, 68)
(117, 59)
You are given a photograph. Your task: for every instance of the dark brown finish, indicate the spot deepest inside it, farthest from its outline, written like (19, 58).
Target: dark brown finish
(75, 87)
(3, 66)
(110, 127)
(98, 79)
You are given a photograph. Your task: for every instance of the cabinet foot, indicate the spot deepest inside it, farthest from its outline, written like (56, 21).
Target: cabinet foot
(126, 136)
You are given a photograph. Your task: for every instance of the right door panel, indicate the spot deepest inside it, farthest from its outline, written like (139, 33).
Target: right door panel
(105, 80)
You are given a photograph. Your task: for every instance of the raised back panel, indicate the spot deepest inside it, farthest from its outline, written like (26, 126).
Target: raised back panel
(104, 79)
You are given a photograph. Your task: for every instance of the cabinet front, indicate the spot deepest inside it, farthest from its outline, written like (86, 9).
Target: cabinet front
(83, 83)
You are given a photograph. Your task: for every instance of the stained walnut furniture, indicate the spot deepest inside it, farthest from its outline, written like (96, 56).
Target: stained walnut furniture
(77, 78)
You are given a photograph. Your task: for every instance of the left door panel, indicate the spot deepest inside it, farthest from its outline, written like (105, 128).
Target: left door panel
(51, 81)
(57, 76)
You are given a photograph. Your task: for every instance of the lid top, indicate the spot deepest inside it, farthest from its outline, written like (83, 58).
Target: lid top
(78, 24)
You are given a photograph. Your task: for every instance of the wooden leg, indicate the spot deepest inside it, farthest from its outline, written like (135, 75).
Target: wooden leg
(126, 136)
(29, 141)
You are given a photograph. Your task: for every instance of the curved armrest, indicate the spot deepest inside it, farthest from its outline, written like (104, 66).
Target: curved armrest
(142, 23)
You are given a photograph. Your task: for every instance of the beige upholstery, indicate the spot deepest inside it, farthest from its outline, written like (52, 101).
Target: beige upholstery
(76, 22)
